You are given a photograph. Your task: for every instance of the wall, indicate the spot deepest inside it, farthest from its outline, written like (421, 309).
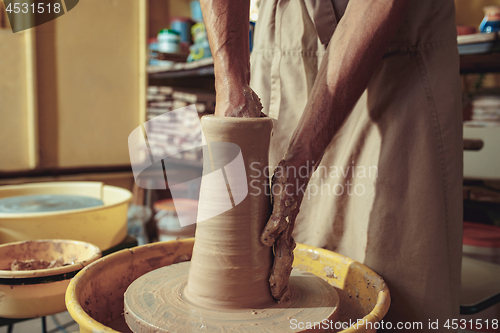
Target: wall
(89, 83)
(470, 12)
(72, 92)
(17, 101)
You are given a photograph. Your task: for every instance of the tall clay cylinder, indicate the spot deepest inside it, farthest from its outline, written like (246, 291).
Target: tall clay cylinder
(230, 267)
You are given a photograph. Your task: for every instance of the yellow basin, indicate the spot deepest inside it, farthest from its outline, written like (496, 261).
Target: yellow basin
(36, 293)
(104, 226)
(95, 296)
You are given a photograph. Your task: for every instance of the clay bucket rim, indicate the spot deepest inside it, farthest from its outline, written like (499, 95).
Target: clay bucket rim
(72, 292)
(48, 272)
(383, 296)
(126, 198)
(88, 323)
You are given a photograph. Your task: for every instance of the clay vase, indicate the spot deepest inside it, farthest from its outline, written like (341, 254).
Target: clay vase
(230, 267)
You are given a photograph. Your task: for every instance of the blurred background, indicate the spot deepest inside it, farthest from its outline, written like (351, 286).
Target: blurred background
(73, 89)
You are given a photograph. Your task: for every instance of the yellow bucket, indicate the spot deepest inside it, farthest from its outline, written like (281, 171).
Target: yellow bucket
(94, 297)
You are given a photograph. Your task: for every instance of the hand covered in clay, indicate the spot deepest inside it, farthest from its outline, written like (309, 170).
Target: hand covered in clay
(238, 102)
(286, 200)
(228, 32)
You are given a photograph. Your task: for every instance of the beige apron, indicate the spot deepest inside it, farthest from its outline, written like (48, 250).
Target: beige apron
(388, 190)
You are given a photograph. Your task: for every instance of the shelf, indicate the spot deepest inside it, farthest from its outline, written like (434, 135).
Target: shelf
(203, 67)
(480, 63)
(469, 63)
(479, 53)
(175, 57)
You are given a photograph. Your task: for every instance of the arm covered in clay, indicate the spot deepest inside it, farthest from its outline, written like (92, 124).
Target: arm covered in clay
(355, 50)
(227, 24)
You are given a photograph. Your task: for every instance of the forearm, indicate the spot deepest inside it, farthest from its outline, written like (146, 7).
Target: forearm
(227, 24)
(355, 51)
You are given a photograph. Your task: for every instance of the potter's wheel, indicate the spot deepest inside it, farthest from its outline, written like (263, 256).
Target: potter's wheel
(156, 302)
(225, 286)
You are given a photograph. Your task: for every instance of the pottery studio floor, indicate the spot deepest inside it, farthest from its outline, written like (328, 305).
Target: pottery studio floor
(64, 321)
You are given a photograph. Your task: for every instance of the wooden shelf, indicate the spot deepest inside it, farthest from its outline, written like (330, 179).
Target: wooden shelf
(470, 63)
(175, 57)
(203, 67)
(480, 63)
(479, 53)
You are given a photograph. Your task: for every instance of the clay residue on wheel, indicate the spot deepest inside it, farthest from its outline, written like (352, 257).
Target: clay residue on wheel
(182, 258)
(349, 309)
(34, 264)
(155, 302)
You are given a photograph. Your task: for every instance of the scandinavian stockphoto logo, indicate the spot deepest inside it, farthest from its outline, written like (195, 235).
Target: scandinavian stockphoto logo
(26, 14)
(171, 148)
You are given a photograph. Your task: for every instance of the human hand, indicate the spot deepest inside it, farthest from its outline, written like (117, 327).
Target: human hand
(286, 200)
(238, 102)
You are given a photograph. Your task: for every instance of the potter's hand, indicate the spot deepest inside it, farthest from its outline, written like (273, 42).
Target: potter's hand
(354, 53)
(227, 27)
(237, 102)
(278, 231)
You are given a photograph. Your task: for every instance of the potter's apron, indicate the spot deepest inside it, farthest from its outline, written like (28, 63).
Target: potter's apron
(388, 190)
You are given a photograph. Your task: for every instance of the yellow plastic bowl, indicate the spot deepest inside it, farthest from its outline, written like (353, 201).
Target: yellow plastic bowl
(95, 296)
(28, 294)
(104, 226)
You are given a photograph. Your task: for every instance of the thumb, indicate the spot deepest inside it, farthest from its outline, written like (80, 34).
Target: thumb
(274, 227)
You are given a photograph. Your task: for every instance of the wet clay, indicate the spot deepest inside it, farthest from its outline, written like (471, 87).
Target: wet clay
(34, 264)
(230, 267)
(226, 284)
(162, 306)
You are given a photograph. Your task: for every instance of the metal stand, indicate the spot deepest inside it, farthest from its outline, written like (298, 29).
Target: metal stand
(44, 325)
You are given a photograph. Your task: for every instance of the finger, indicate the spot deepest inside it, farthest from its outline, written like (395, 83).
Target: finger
(282, 266)
(278, 220)
(274, 227)
(283, 260)
(285, 211)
